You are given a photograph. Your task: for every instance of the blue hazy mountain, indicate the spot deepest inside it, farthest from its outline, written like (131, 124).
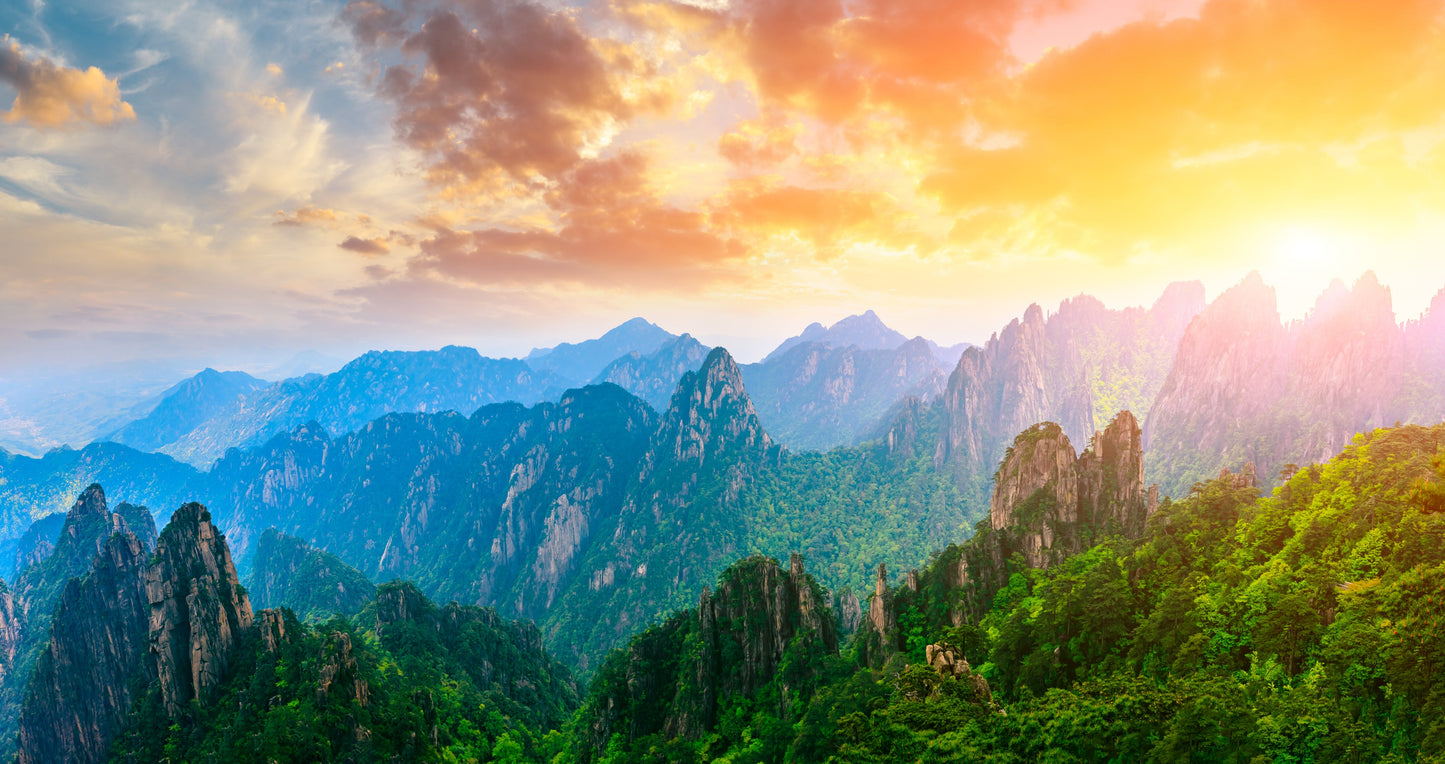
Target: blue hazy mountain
(579, 363)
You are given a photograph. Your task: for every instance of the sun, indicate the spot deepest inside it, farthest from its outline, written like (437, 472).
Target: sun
(1306, 245)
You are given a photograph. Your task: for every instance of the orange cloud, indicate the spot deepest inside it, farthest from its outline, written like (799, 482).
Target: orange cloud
(48, 95)
(1157, 134)
(827, 218)
(613, 229)
(308, 215)
(368, 247)
(497, 92)
(759, 143)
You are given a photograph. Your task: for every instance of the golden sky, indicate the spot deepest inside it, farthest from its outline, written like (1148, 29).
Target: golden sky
(508, 173)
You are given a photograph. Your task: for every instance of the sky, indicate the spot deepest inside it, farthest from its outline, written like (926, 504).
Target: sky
(238, 182)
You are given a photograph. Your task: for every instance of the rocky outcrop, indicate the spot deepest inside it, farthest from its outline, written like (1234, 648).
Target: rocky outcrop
(197, 608)
(1048, 503)
(949, 662)
(672, 677)
(82, 686)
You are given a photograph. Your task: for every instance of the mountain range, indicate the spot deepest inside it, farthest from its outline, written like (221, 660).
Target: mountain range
(1012, 500)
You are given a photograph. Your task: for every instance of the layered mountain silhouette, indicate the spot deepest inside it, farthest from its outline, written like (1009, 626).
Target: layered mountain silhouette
(1245, 386)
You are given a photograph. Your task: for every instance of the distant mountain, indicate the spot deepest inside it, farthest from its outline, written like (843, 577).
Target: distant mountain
(948, 355)
(40, 412)
(37, 542)
(288, 572)
(187, 406)
(1246, 387)
(818, 396)
(1077, 367)
(453, 378)
(865, 330)
(33, 488)
(579, 363)
(653, 377)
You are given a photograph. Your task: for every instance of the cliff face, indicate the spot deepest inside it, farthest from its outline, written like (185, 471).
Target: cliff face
(197, 608)
(1245, 387)
(174, 616)
(654, 377)
(1049, 503)
(81, 690)
(818, 396)
(1072, 368)
(673, 676)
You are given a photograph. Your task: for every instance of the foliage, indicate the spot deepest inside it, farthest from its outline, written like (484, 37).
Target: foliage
(1304, 626)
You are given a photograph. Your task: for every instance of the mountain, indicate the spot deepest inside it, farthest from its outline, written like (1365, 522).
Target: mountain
(46, 410)
(287, 572)
(1247, 387)
(866, 330)
(158, 655)
(654, 377)
(1076, 367)
(576, 364)
(681, 678)
(81, 691)
(819, 396)
(38, 541)
(34, 608)
(185, 407)
(451, 379)
(31, 488)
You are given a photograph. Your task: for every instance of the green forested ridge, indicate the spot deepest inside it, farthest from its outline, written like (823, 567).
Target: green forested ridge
(405, 680)
(1302, 626)
(1298, 627)
(313, 583)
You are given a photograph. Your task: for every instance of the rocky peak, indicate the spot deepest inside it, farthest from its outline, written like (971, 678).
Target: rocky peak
(760, 609)
(1112, 496)
(1053, 503)
(198, 609)
(1180, 303)
(82, 688)
(674, 675)
(711, 414)
(87, 526)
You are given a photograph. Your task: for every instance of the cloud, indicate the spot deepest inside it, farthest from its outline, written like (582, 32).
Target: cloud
(1158, 134)
(496, 92)
(760, 142)
(307, 215)
(829, 219)
(284, 154)
(368, 247)
(51, 96)
(613, 230)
